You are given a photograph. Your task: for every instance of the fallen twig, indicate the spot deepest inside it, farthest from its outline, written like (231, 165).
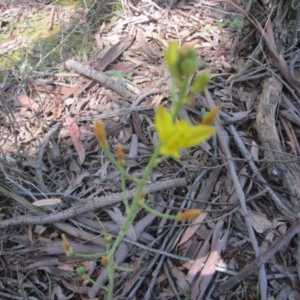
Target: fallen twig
(241, 196)
(283, 241)
(122, 252)
(40, 154)
(268, 35)
(104, 79)
(90, 205)
(247, 155)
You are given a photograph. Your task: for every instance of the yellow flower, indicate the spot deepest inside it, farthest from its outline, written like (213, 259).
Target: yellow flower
(177, 136)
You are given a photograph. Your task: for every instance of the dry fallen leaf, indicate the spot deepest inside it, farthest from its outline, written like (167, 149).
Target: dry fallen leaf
(260, 222)
(181, 281)
(192, 229)
(74, 131)
(47, 202)
(27, 102)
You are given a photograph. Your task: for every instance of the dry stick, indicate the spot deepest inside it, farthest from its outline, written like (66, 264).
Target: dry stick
(297, 254)
(115, 113)
(148, 268)
(111, 55)
(296, 28)
(52, 15)
(150, 249)
(238, 34)
(223, 144)
(248, 63)
(250, 269)
(122, 251)
(268, 35)
(165, 246)
(283, 241)
(104, 79)
(90, 205)
(40, 154)
(247, 155)
(168, 270)
(169, 242)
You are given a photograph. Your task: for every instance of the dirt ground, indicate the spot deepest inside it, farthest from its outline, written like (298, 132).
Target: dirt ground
(65, 64)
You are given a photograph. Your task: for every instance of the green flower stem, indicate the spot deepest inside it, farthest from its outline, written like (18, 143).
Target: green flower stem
(183, 94)
(124, 175)
(174, 96)
(157, 213)
(122, 269)
(131, 214)
(120, 167)
(124, 194)
(89, 255)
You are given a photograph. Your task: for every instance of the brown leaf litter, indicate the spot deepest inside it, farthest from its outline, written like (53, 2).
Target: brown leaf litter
(54, 179)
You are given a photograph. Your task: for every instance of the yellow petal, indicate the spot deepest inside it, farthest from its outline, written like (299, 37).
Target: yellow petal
(181, 130)
(163, 123)
(170, 151)
(175, 141)
(198, 134)
(187, 136)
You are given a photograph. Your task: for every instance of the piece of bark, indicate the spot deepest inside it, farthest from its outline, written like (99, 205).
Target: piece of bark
(283, 170)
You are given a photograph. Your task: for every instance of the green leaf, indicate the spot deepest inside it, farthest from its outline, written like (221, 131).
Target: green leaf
(116, 74)
(235, 23)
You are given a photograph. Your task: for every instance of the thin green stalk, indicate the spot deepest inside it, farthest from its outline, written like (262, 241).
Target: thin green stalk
(157, 213)
(174, 96)
(132, 212)
(123, 187)
(121, 168)
(183, 94)
(89, 255)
